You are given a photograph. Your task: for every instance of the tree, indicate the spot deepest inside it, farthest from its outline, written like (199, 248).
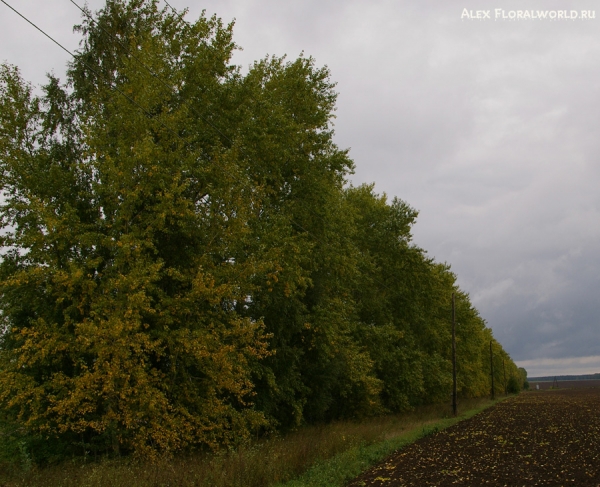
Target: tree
(166, 282)
(126, 237)
(183, 262)
(318, 372)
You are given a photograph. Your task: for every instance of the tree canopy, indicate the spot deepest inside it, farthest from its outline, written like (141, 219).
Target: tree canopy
(184, 263)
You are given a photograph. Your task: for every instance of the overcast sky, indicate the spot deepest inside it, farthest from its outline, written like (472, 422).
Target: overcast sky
(489, 128)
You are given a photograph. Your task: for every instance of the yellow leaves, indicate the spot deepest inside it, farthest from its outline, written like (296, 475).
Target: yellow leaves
(121, 377)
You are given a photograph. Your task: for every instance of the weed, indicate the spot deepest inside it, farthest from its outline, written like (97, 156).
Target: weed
(344, 447)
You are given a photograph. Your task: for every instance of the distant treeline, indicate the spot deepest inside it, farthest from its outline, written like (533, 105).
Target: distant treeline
(185, 264)
(564, 377)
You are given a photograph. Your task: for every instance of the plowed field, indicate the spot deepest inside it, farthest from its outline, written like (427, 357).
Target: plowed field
(536, 438)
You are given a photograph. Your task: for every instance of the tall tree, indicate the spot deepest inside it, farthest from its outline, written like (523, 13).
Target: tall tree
(127, 231)
(183, 262)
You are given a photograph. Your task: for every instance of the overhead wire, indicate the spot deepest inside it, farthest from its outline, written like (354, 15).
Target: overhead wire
(163, 82)
(147, 113)
(115, 88)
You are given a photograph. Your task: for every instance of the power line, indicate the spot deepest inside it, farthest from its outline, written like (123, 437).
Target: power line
(131, 100)
(150, 71)
(163, 82)
(140, 107)
(170, 88)
(115, 88)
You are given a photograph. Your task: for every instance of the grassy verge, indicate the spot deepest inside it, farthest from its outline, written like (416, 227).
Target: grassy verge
(338, 470)
(314, 456)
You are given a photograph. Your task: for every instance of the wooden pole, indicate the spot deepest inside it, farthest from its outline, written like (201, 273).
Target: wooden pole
(492, 369)
(454, 406)
(504, 368)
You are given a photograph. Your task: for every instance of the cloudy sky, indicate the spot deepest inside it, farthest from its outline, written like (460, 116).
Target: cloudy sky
(488, 127)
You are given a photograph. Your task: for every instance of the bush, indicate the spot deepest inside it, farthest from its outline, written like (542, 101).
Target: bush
(513, 386)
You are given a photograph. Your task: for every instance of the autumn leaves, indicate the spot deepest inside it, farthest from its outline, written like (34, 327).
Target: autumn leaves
(184, 263)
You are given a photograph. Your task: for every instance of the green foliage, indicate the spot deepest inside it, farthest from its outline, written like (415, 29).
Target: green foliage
(184, 264)
(119, 294)
(513, 386)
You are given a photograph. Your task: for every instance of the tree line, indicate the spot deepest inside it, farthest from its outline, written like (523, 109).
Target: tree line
(185, 264)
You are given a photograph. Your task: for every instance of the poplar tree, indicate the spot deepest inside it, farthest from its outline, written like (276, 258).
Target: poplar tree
(127, 253)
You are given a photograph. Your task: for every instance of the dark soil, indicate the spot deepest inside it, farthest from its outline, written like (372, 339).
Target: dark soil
(536, 438)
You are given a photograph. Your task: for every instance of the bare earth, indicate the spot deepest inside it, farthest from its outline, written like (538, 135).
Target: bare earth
(536, 438)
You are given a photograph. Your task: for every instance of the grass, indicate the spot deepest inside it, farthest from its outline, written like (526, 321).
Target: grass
(338, 470)
(314, 456)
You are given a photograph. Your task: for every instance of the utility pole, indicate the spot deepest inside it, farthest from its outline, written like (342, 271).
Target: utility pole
(454, 407)
(492, 368)
(504, 368)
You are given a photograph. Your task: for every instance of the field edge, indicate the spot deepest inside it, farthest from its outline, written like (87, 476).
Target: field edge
(340, 469)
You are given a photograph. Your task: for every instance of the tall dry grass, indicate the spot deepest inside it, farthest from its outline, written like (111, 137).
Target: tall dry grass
(266, 462)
